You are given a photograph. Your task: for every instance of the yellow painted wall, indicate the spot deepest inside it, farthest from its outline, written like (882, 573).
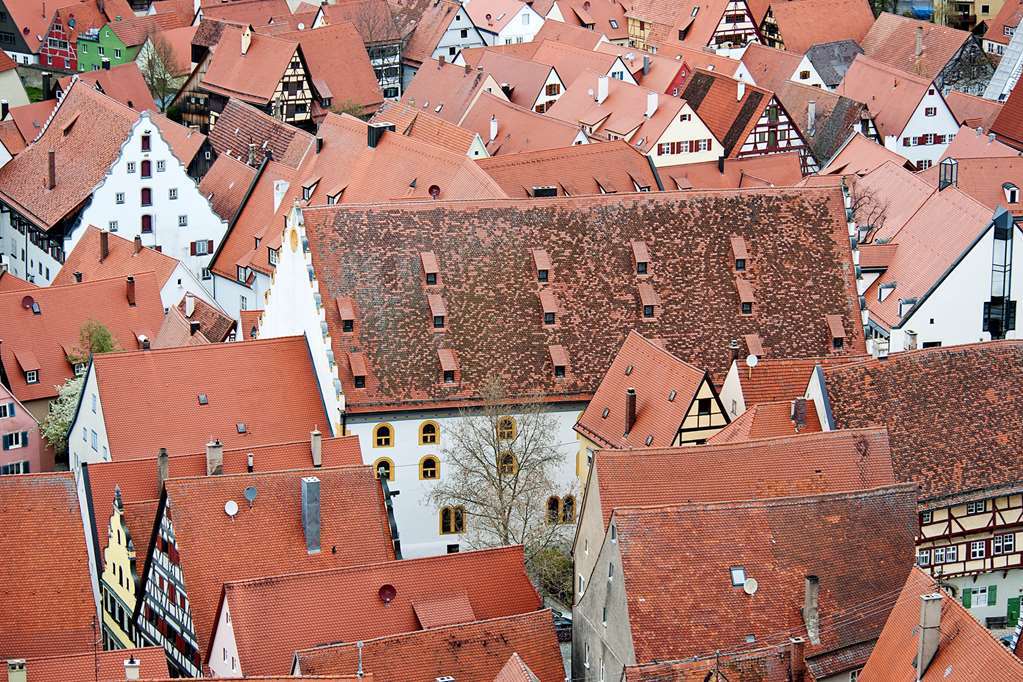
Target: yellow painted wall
(119, 559)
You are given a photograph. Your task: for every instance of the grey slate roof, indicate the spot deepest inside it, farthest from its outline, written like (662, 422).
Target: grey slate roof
(832, 60)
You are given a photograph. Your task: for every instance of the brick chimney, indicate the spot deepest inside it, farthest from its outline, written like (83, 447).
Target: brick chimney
(316, 447)
(51, 169)
(214, 458)
(811, 612)
(930, 632)
(919, 49)
(797, 659)
(104, 245)
(311, 513)
(138, 243)
(630, 409)
(250, 462)
(162, 468)
(130, 290)
(252, 154)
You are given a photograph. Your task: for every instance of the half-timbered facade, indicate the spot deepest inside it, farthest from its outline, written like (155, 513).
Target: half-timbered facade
(59, 47)
(736, 28)
(724, 25)
(774, 133)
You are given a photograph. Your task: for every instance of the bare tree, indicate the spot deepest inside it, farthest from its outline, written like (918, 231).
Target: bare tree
(498, 486)
(157, 63)
(869, 210)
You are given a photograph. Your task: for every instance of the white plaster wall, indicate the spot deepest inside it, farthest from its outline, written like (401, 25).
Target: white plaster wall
(224, 649)
(620, 71)
(1011, 585)
(229, 292)
(944, 123)
(523, 26)
(24, 258)
(547, 100)
(203, 223)
(11, 89)
(815, 392)
(813, 79)
(86, 421)
(183, 281)
(453, 42)
(677, 131)
(731, 392)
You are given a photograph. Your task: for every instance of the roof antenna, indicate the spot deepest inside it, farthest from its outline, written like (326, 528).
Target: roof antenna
(359, 673)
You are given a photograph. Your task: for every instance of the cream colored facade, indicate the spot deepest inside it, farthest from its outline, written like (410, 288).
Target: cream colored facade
(118, 581)
(687, 126)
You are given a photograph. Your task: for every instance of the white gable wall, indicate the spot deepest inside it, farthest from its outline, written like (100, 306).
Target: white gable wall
(223, 652)
(460, 34)
(942, 123)
(691, 131)
(87, 423)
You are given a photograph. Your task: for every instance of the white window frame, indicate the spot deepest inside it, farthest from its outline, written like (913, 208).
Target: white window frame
(14, 442)
(161, 166)
(976, 600)
(978, 549)
(32, 376)
(119, 197)
(172, 193)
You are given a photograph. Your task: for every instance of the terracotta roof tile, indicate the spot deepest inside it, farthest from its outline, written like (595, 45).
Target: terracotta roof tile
(48, 601)
(6, 63)
(934, 441)
(250, 323)
(30, 118)
(984, 178)
(123, 83)
(688, 237)
(64, 309)
(253, 12)
(665, 389)
(214, 324)
(571, 61)
(966, 649)
(515, 670)
(10, 136)
(803, 464)
(493, 15)
(33, 23)
(769, 67)
(226, 185)
(785, 540)
(176, 331)
(1008, 16)
(765, 664)
(134, 30)
(892, 41)
(448, 90)
(767, 420)
(525, 77)
(240, 125)
(424, 125)
(474, 651)
(599, 17)
(860, 155)
(337, 58)
(890, 94)
(343, 604)
(184, 142)
(835, 117)
(373, 19)
(179, 40)
(1008, 126)
(799, 22)
(773, 170)
(661, 72)
(426, 21)
(132, 385)
(253, 76)
(973, 143)
(666, 17)
(101, 666)
(518, 130)
(973, 111)
(268, 539)
(775, 379)
(9, 282)
(714, 98)
(122, 260)
(577, 167)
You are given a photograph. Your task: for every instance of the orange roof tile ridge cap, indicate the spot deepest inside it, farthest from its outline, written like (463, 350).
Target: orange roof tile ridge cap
(210, 347)
(182, 480)
(626, 453)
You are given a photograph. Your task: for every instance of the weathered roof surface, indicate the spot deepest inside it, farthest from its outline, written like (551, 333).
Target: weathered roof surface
(579, 169)
(241, 124)
(485, 253)
(55, 331)
(525, 78)
(984, 178)
(769, 67)
(763, 664)
(446, 89)
(252, 77)
(30, 118)
(570, 33)
(571, 61)
(239, 381)
(836, 117)
(33, 23)
(802, 25)
(860, 155)
(336, 57)
(253, 12)
(493, 15)
(798, 464)
(667, 17)
(249, 323)
(214, 323)
(123, 82)
(665, 389)
(11, 282)
(268, 538)
(515, 670)
(424, 125)
(661, 70)
(892, 41)
(948, 442)
(1008, 16)
(46, 591)
(226, 184)
(100, 666)
(973, 143)
(184, 142)
(783, 378)
(600, 17)
(176, 331)
(10, 136)
(86, 134)
(890, 94)
(134, 30)
(973, 111)
(693, 608)
(426, 21)
(518, 130)
(832, 60)
(767, 420)
(715, 98)
(373, 19)
(473, 651)
(772, 170)
(966, 649)
(122, 260)
(343, 604)
(1008, 126)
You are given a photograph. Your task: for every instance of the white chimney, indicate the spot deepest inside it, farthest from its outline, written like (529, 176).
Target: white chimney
(214, 458)
(651, 104)
(16, 671)
(811, 612)
(930, 632)
(280, 189)
(246, 39)
(740, 91)
(189, 305)
(131, 668)
(493, 127)
(316, 447)
(602, 85)
(811, 116)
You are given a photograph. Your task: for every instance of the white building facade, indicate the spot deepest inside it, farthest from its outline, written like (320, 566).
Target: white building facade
(928, 131)
(519, 28)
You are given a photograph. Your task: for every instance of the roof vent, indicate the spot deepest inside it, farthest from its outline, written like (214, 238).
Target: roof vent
(204, 399)
(628, 370)
(603, 415)
(445, 678)
(671, 396)
(231, 508)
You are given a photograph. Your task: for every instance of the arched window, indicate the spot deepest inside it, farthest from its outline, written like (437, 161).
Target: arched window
(553, 509)
(507, 464)
(383, 436)
(568, 509)
(506, 428)
(147, 169)
(147, 196)
(429, 468)
(452, 520)
(429, 433)
(384, 467)
(147, 224)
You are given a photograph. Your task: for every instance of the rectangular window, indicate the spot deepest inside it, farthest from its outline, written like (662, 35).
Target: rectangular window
(102, 50)
(201, 247)
(923, 557)
(146, 143)
(112, 226)
(131, 166)
(930, 111)
(243, 303)
(926, 517)
(119, 197)
(161, 166)
(32, 376)
(977, 549)
(1003, 544)
(6, 410)
(94, 441)
(117, 53)
(182, 221)
(978, 507)
(172, 193)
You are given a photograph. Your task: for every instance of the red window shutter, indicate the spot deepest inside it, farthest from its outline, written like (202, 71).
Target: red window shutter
(209, 246)
(192, 247)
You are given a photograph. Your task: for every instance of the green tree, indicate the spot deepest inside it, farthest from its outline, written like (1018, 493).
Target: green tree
(93, 338)
(62, 411)
(350, 107)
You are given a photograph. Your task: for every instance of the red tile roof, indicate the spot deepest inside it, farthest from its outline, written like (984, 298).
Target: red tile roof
(100, 666)
(804, 464)
(493, 15)
(764, 664)
(373, 19)
(343, 604)
(446, 89)
(665, 389)
(1008, 16)
(123, 83)
(770, 68)
(526, 78)
(983, 179)
(518, 130)
(122, 260)
(426, 20)
(176, 331)
(860, 155)
(596, 15)
(767, 420)
(268, 539)
(249, 322)
(134, 30)
(973, 111)
(935, 440)
(800, 25)
(239, 380)
(253, 12)
(892, 41)
(252, 77)
(775, 379)
(179, 40)
(573, 170)
(515, 670)
(425, 126)
(715, 99)
(6, 63)
(240, 125)
(226, 185)
(890, 94)
(30, 118)
(46, 592)
(773, 170)
(693, 608)
(973, 143)
(9, 282)
(63, 310)
(667, 17)
(571, 61)
(473, 651)
(214, 323)
(966, 649)
(689, 246)
(184, 142)
(1008, 126)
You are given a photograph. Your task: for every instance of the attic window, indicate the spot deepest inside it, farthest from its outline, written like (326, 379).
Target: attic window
(431, 271)
(628, 370)
(671, 395)
(695, 10)
(560, 360)
(549, 303)
(204, 399)
(745, 290)
(641, 257)
(738, 574)
(66, 130)
(739, 253)
(649, 299)
(542, 262)
(437, 310)
(346, 309)
(146, 142)
(603, 415)
(240, 426)
(308, 187)
(754, 345)
(1011, 192)
(448, 365)
(837, 330)
(357, 365)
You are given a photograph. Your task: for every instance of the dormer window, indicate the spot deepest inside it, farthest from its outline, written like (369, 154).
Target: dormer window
(641, 257)
(32, 376)
(559, 358)
(346, 310)
(739, 253)
(738, 575)
(448, 365)
(649, 299)
(549, 303)
(431, 270)
(308, 187)
(437, 310)
(542, 263)
(837, 331)
(745, 290)
(1011, 193)
(357, 365)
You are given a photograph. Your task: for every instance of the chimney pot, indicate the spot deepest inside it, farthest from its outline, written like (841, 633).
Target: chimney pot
(252, 153)
(162, 468)
(651, 104)
(630, 409)
(250, 462)
(78, 276)
(602, 88)
(375, 131)
(740, 91)
(316, 447)
(721, 164)
(319, 144)
(441, 61)
(646, 64)
(930, 632)
(493, 127)
(811, 613)
(17, 671)
(214, 458)
(47, 84)
(130, 290)
(189, 305)
(311, 513)
(51, 169)
(131, 668)
(919, 42)
(468, 69)
(138, 243)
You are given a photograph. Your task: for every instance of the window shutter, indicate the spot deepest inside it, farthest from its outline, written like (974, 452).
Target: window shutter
(209, 246)
(991, 595)
(191, 246)
(7, 442)
(10, 406)
(1010, 323)
(24, 439)
(967, 593)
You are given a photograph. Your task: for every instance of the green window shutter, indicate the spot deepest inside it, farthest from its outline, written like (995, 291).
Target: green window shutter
(991, 595)
(967, 593)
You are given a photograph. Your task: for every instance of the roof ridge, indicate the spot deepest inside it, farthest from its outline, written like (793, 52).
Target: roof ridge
(262, 474)
(200, 453)
(79, 285)
(627, 453)
(207, 347)
(910, 354)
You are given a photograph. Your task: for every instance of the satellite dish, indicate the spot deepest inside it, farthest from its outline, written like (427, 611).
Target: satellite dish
(387, 593)
(250, 494)
(434, 191)
(751, 586)
(27, 302)
(231, 508)
(751, 361)
(301, 26)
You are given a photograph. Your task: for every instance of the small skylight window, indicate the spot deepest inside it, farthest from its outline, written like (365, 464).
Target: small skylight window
(738, 576)
(649, 440)
(671, 396)
(750, 639)
(241, 427)
(628, 370)
(695, 10)
(603, 415)
(204, 399)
